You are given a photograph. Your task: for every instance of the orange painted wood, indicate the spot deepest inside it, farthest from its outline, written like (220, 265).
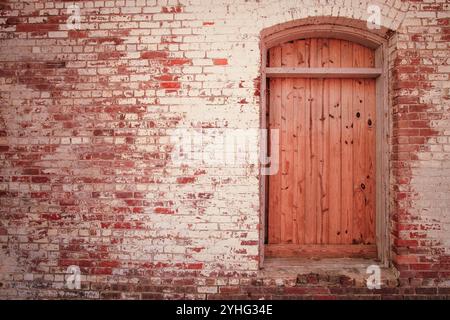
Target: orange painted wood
(288, 192)
(334, 175)
(359, 161)
(300, 147)
(285, 170)
(297, 72)
(324, 146)
(316, 168)
(324, 192)
(370, 151)
(300, 161)
(310, 221)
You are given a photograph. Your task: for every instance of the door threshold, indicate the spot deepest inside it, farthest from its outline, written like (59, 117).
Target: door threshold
(326, 271)
(321, 251)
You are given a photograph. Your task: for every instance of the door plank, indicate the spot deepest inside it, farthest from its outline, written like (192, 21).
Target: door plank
(314, 54)
(370, 150)
(310, 210)
(324, 192)
(296, 72)
(370, 92)
(287, 195)
(284, 208)
(301, 159)
(316, 106)
(324, 139)
(293, 147)
(321, 251)
(334, 175)
(302, 56)
(275, 123)
(300, 156)
(359, 134)
(335, 146)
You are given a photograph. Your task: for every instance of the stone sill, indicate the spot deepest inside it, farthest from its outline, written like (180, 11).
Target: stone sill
(324, 272)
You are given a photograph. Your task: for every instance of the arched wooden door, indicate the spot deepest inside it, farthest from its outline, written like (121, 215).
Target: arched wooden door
(322, 200)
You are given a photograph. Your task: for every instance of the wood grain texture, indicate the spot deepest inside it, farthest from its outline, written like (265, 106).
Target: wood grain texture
(300, 72)
(274, 221)
(346, 147)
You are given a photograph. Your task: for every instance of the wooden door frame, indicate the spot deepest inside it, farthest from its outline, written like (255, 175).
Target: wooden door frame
(380, 45)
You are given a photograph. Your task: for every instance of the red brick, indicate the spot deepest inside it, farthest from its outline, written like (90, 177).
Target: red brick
(220, 62)
(88, 176)
(154, 55)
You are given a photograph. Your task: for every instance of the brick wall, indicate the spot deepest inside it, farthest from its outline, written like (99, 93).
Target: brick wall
(420, 151)
(87, 176)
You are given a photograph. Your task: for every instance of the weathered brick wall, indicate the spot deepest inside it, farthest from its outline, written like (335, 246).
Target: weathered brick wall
(86, 119)
(420, 152)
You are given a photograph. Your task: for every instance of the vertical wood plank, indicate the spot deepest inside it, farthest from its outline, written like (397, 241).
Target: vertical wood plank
(359, 134)
(284, 163)
(324, 162)
(301, 159)
(274, 227)
(317, 147)
(311, 154)
(346, 223)
(324, 144)
(370, 58)
(335, 146)
(283, 139)
(310, 220)
(324, 192)
(370, 145)
(307, 53)
(316, 96)
(370, 151)
(287, 124)
(302, 56)
(293, 145)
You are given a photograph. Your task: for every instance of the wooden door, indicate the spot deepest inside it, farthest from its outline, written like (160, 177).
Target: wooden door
(322, 201)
